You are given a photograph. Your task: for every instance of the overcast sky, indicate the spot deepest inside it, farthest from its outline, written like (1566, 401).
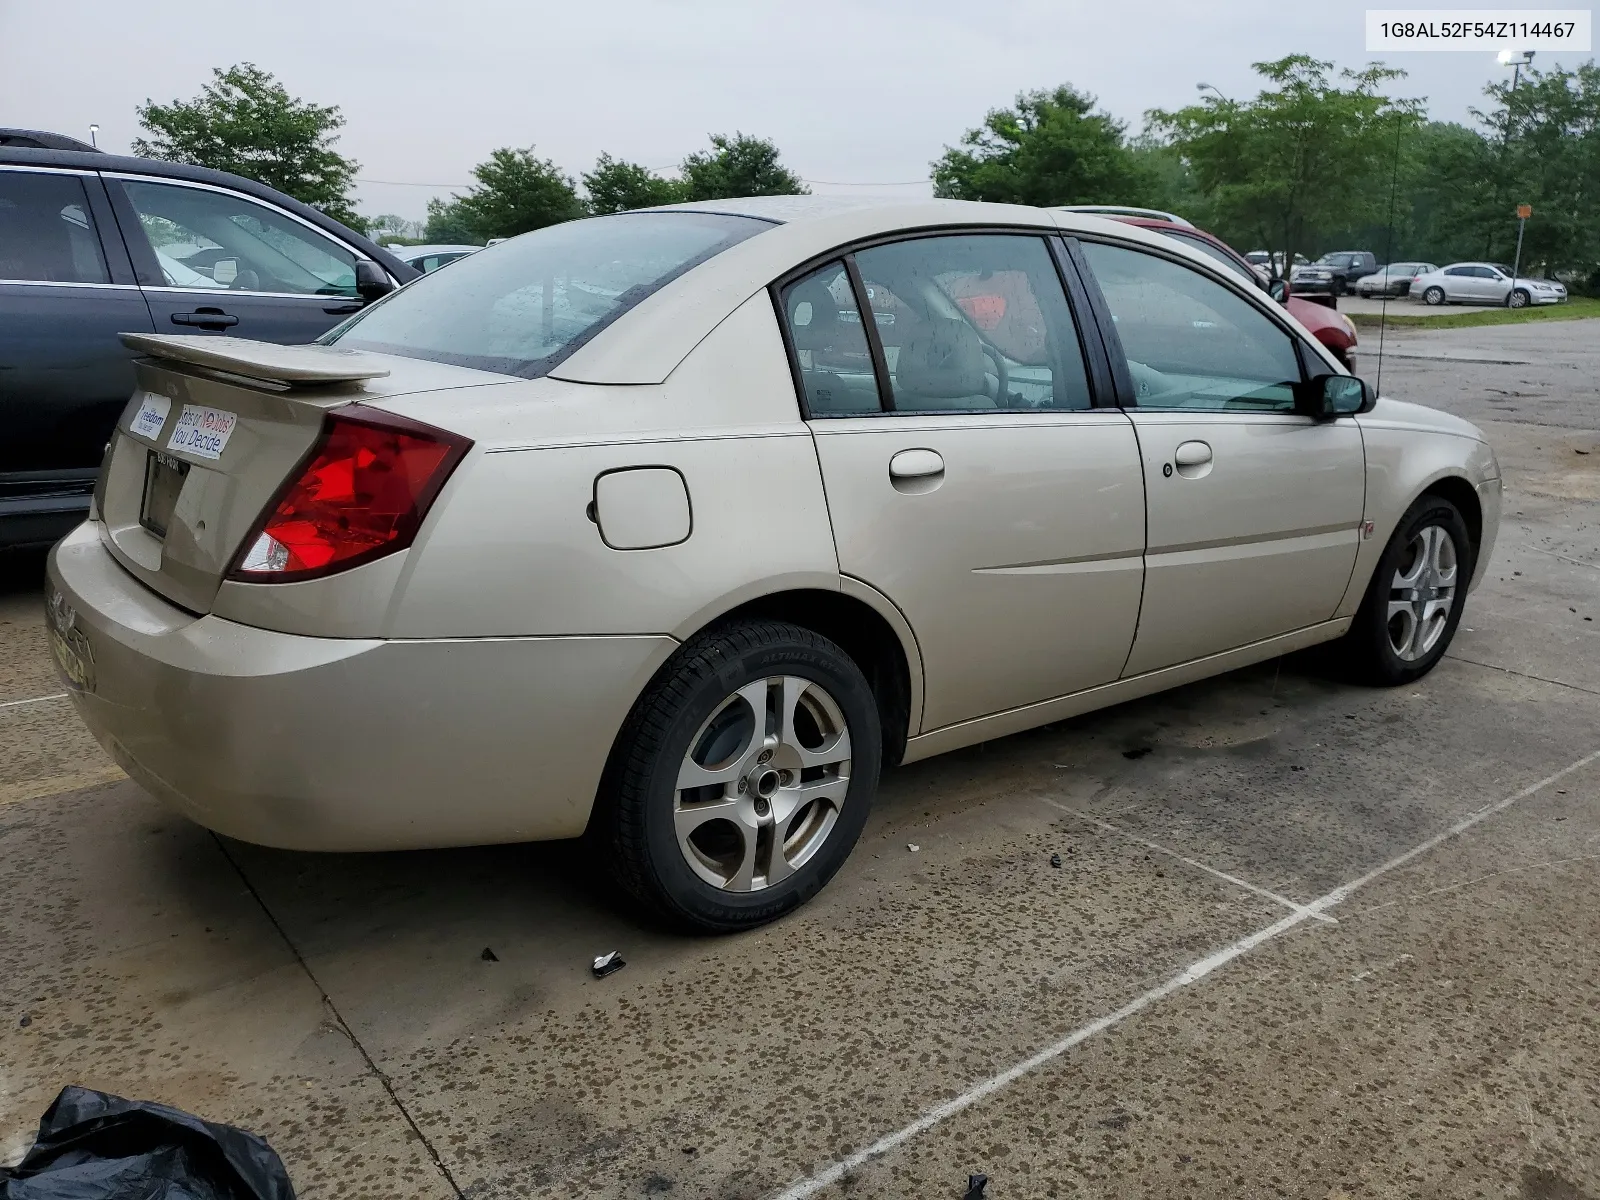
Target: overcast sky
(854, 92)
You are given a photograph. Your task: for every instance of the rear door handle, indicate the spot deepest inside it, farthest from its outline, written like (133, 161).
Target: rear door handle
(1192, 454)
(213, 318)
(343, 310)
(915, 464)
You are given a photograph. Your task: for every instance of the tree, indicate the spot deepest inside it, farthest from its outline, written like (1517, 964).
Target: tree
(448, 224)
(1051, 148)
(616, 186)
(1302, 157)
(245, 122)
(740, 165)
(516, 192)
(393, 227)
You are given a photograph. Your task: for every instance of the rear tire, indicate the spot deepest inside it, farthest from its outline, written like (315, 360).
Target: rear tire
(1414, 601)
(784, 791)
(1433, 296)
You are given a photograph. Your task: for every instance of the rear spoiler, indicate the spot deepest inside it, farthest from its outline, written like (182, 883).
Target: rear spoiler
(266, 362)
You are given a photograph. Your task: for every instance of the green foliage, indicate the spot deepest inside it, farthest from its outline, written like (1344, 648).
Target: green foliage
(448, 225)
(740, 165)
(245, 122)
(1051, 148)
(616, 186)
(1304, 156)
(516, 193)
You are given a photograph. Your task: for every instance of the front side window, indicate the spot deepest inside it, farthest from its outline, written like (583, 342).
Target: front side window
(1191, 342)
(217, 241)
(521, 306)
(830, 343)
(46, 235)
(972, 322)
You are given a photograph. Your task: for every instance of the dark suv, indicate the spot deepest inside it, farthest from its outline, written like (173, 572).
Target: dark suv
(93, 245)
(1334, 273)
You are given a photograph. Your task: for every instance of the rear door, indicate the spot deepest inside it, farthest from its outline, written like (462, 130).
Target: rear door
(1254, 511)
(969, 478)
(66, 292)
(212, 261)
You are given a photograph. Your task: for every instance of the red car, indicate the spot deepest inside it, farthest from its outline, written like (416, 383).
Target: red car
(1330, 327)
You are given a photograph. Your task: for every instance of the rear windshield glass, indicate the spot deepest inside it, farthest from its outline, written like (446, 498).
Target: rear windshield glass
(521, 307)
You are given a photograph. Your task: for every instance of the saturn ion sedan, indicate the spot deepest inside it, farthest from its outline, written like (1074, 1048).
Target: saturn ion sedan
(673, 528)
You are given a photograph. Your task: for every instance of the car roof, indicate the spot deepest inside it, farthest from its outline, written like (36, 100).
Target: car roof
(664, 327)
(95, 160)
(411, 252)
(40, 139)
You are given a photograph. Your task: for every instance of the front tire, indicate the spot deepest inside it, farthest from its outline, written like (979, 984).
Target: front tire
(1413, 604)
(1433, 296)
(1517, 299)
(742, 778)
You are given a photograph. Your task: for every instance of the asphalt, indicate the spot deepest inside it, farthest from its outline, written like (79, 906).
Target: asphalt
(1306, 940)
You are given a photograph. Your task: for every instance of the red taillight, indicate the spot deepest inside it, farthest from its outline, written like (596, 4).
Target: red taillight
(362, 494)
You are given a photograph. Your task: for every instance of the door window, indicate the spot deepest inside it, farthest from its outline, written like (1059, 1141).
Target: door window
(216, 241)
(1192, 343)
(1458, 271)
(974, 322)
(830, 344)
(46, 234)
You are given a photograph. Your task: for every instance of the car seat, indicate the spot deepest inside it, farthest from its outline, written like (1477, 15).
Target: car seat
(941, 366)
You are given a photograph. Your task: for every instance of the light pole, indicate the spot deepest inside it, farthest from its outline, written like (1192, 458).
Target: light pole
(94, 136)
(1206, 87)
(1516, 60)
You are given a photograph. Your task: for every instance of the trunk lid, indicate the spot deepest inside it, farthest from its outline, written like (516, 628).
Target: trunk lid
(212, 432)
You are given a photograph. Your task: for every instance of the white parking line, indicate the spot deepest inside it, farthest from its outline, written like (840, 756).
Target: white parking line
(34, 700)
(1291, 905)
(831, 1174)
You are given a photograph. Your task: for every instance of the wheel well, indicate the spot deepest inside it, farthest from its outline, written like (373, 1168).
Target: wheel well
(862, 634)
(1465, 497)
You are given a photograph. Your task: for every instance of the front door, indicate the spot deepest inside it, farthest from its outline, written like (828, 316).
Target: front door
(215, 262)
(1254, 510)
(969, 478)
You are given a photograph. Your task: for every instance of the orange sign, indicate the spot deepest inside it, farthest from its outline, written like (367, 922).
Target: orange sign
(1524, 211)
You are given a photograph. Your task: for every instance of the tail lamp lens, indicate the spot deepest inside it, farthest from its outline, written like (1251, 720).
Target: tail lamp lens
(362, 494)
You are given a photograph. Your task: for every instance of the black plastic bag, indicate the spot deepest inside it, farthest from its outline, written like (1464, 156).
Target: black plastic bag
(95, 1146)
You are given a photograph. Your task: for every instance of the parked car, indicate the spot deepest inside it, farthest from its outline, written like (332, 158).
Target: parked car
(38, 139)
(683, 563)
(1272, 262)
(1333, 329)
(1393, 280)
(1333, 273)
(430, 258)
(1486, 283)
(94, 245)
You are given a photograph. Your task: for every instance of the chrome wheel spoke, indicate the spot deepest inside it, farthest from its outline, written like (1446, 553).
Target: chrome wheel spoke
(835, 745)
(791, 800)
(1423, 594)
(690, 817)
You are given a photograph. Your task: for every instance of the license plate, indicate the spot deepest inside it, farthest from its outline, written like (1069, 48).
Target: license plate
(163, 480)
(68, 643)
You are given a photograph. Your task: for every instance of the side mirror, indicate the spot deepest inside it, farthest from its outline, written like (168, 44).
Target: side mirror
(1327, 396)
(371, 282)
(1278, 289)
(225, 271)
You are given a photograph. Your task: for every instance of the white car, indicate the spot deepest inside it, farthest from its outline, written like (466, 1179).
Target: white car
(674, 526)
(1485, 283)
(1394, 280)
(430, 258)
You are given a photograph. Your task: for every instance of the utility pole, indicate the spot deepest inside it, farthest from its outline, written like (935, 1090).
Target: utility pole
(1524, 211)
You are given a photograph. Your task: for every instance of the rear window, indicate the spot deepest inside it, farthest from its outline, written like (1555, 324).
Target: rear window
(522, 306)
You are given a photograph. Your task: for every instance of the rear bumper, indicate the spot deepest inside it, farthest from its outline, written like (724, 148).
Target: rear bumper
(340, 743)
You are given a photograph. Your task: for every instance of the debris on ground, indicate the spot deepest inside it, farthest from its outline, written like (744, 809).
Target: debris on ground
(913, 847)
(975, 1186)
(489, 955)
(1055, 860)
(607, 964)
(26, 1020)
(1136, 752)
(96, 1146)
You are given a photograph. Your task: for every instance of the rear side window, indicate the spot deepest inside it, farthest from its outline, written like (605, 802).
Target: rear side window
(830, 344)
(521, 307)
(46, 235)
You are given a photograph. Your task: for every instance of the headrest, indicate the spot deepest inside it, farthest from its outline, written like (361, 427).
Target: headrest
(821, 331)
(942, 360)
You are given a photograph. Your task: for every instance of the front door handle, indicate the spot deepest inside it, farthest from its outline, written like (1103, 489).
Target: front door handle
(914, 472)
(206, 318)
(1192, 454)
(343, 310)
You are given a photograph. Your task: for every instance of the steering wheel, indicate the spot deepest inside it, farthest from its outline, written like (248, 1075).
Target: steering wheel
(1002, 381)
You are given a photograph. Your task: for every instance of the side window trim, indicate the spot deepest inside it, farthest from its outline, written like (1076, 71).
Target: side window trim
(869, 326)
(1091, 341)
(1127, 394)
(151, 275)
(112, 244)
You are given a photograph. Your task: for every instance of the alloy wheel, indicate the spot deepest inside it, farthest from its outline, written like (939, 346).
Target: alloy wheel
(762, 785)
(1422, 594)
(1517, 299)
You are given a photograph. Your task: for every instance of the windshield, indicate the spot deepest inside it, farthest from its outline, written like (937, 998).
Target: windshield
(1337, 260)
(1211, 251)
(521, 307)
